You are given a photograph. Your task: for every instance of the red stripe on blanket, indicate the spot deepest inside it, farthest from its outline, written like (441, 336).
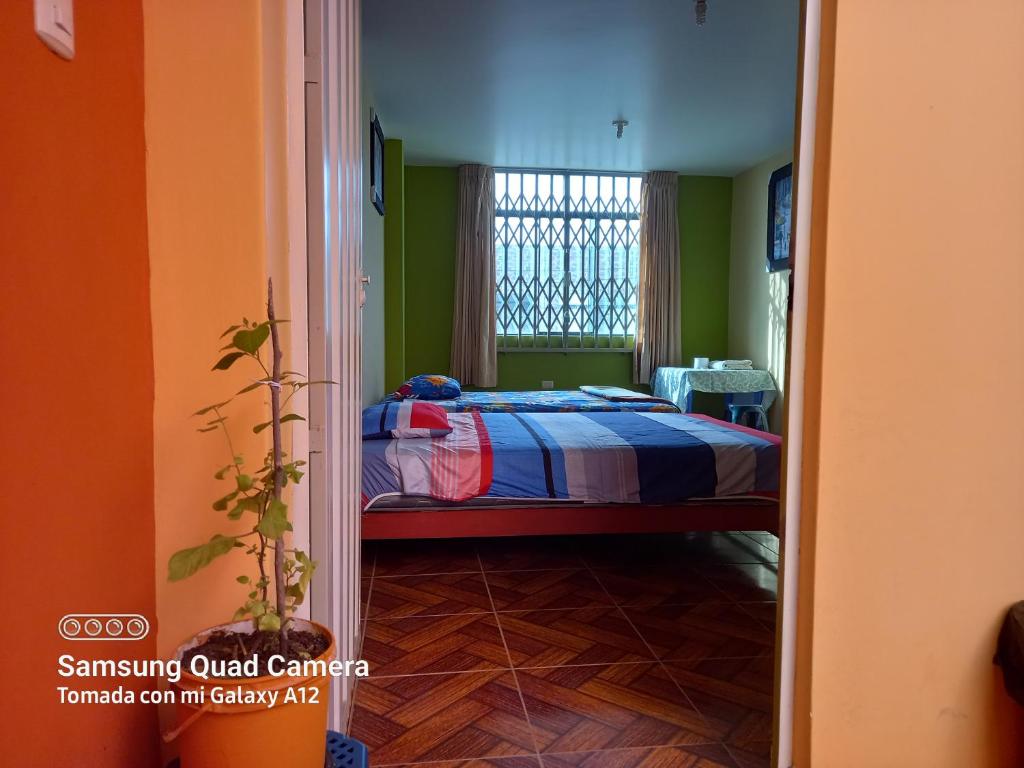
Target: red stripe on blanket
(486, 454)
(769, 436)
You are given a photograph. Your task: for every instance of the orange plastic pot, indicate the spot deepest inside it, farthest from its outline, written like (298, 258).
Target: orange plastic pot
(251, 735)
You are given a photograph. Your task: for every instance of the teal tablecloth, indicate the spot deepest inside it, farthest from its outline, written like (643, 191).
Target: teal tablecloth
(679, 384)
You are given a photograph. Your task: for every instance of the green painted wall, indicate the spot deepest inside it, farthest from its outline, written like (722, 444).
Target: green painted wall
(394, 264)
(431, 199)
(705, 208)
(431, 206)
(705, 205)
(569, 370)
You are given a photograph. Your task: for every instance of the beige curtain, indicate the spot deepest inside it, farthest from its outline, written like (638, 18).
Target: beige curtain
(474, 344)
(658, 321)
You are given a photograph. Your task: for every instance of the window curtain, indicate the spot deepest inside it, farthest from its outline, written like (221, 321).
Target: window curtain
(658, 330)
(474, 343)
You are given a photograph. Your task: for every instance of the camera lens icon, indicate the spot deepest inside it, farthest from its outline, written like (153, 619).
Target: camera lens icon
(70, 627)
(103, 626)
(138, 628)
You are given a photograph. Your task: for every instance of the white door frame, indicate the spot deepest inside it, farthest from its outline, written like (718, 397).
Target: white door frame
(786, 677)
(334, 225)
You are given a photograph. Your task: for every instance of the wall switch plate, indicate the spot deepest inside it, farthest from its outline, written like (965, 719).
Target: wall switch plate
(55, 25)
(546, 384)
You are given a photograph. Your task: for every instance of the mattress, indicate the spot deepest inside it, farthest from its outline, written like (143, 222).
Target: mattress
(550, 401)
(599, 457)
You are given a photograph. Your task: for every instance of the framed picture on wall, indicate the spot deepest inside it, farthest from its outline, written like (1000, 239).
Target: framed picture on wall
(780, 218)
(377, 165)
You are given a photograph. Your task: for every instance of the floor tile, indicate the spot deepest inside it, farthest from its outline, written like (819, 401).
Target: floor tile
(628, 551)
(424, 718)
(586, 708)
(701, 631)
(765, 539)
(764, 612)
(656, 585)
(429, 644)
(733, 695)
(529, 590)
(368, 558)
(440, 694)
(696, 756)
(596, 635)
(404, 558)
(725, 548)
(428, 595)
(520, 761)
(745, 582)
(675, 549)
(755, 755)
(530, 553)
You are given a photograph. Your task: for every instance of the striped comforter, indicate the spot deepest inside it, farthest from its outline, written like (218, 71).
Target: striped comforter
(627, 457)
(550, 401)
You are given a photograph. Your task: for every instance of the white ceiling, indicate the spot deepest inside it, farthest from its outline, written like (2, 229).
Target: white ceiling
(536, 83)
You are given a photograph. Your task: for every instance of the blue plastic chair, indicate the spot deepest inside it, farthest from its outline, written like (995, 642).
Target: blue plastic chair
(747, 408)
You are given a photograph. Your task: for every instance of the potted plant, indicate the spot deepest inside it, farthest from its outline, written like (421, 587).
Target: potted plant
(250, 714)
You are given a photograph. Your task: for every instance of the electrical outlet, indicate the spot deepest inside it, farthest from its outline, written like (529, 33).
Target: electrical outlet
(546, 384)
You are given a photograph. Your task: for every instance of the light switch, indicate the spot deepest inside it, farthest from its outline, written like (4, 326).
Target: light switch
(55, 25)
(545, 384)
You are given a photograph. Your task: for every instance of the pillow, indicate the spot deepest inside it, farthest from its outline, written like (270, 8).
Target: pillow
(430, 387)
(407, 419)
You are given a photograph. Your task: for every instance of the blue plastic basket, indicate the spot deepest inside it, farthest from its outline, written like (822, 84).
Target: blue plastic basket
(345, 753)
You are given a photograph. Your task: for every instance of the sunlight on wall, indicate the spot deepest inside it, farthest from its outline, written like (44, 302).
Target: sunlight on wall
(778, 302)
(757, 300)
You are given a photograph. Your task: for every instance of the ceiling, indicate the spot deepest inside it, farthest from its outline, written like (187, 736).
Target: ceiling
(537, 83)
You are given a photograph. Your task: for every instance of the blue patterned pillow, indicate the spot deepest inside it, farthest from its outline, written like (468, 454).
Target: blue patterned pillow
(430, 387)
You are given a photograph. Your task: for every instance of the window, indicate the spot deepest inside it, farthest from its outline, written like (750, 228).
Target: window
(567, 259)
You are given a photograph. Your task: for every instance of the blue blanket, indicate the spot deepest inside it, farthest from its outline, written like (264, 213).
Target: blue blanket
(549, 401)
(621, 457)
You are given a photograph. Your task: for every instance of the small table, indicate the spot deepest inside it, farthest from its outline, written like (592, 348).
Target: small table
(679, 384)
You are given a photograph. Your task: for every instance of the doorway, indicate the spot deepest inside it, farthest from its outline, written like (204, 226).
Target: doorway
(335, 528)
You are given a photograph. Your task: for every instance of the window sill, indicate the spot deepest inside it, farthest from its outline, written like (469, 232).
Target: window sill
(566, 350)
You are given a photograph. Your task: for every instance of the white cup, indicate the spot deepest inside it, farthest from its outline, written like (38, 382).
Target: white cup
(701, 362)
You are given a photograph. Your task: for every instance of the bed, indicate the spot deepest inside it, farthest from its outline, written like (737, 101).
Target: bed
(557, 401)
(584, 472)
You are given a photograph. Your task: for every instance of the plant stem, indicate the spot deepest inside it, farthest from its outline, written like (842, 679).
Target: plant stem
(227, 436)
(261, 557)
(275, 416)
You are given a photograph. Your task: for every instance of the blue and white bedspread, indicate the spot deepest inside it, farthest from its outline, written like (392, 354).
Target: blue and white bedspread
(550, 401)
(619, 457)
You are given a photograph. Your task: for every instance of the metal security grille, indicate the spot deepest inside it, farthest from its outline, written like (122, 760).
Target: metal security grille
(568, 259)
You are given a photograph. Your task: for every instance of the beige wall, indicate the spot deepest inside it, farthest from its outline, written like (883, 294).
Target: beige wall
(373, 267)
(915, 512)
(757, 300)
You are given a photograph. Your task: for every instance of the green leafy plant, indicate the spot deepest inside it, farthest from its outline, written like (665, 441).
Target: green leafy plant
(255, 495)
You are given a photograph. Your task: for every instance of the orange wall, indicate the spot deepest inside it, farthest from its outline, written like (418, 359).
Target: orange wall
(207, 233)
(77, 376)
(918, 334)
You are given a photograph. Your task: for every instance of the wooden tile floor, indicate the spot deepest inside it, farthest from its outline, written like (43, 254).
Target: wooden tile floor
(589, 652)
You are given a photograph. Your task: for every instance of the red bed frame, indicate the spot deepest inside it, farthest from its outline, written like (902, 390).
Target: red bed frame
(462, 522)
